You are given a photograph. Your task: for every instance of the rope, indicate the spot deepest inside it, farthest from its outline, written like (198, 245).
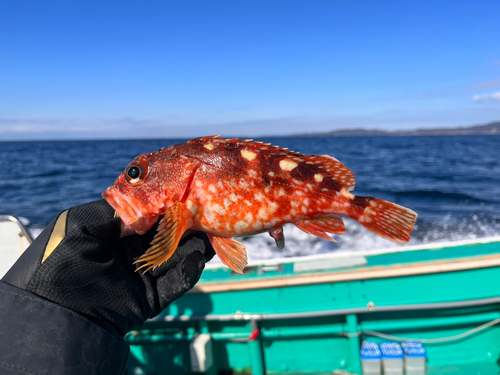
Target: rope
(429, 341)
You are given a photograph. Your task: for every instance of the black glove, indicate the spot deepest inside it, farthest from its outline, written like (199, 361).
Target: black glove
(91, 270)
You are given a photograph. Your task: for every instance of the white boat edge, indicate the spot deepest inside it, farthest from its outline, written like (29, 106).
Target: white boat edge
(363, 253)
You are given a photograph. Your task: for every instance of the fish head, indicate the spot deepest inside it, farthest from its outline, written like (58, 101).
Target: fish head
(148, 186)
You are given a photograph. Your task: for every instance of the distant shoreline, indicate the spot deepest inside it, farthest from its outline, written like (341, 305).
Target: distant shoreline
(492, 128)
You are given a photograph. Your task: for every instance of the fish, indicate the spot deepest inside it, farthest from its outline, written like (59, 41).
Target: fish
(229, 187)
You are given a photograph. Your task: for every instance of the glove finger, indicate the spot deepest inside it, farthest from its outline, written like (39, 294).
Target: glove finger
(180, 279)
(209, 252)
(196, 242)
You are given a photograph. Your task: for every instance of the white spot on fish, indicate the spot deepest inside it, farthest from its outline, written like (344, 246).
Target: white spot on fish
(346, 194)
(273, 207)
(227, 203)
(248, 203)
(240, 226)
(212, 188)
(259, 196)
(209, 214)
(318, 177)
(209, 146)
(218, 208)
(304, 209)
(271, 174)
(368, 211)
(262, 214)
(198, 183)
(233, 197)
(249, 155)
(309, 186)
(191, 206)
(257, 225)
(252, 173)
(373, 203)
(287, 165)
(281, 192)
(244, 184)
(306, 201)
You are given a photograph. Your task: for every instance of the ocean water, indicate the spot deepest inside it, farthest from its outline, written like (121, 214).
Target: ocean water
(453, 183)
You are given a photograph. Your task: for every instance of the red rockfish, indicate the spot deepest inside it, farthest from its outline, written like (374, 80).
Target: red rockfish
(233, 187)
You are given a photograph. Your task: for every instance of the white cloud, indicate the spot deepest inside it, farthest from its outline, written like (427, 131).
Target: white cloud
(495, 96)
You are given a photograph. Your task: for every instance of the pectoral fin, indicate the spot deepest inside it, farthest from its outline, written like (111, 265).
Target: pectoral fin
(231, 252)
(172, 226)
(322, 225)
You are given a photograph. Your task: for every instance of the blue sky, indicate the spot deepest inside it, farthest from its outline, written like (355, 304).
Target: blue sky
(128, 69)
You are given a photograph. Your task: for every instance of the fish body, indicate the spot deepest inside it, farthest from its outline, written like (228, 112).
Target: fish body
(232, 187)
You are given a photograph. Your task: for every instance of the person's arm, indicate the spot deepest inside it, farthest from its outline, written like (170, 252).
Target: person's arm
(74, 293)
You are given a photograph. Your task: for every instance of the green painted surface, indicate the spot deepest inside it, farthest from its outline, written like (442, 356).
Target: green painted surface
(430, 288)
(403, 257)
(317, 345)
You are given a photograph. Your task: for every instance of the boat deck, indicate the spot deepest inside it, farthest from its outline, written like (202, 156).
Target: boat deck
(310, 314)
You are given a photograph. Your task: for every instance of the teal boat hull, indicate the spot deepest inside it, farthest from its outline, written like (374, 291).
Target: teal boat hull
(310, 314)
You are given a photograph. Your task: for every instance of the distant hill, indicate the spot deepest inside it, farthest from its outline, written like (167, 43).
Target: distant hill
(492, 128)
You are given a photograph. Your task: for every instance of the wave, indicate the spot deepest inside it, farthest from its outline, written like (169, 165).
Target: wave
(357, 238)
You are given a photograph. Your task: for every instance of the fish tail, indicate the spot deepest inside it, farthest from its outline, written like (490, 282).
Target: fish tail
(388, 220)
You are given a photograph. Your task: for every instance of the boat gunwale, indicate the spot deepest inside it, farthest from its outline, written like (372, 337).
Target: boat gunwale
(367, 253)
(362, 273)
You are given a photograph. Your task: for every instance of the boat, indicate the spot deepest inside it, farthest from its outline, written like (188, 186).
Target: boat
(310, 314)
(14, 239)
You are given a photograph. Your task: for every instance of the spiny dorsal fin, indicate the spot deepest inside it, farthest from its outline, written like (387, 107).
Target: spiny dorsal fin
(266, 155)
(330, 167)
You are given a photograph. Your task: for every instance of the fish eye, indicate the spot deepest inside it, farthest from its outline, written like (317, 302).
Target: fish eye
(135, 173)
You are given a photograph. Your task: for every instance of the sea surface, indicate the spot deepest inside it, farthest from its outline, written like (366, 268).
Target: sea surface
(453, 183)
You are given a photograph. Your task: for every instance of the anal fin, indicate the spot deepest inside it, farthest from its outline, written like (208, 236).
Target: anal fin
(230, 252)
(172, 226)
(320, 226)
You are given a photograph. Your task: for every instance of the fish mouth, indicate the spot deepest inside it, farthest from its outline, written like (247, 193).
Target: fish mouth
(128, 212)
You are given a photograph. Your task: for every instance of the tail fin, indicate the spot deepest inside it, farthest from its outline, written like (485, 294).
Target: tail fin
(388, 220)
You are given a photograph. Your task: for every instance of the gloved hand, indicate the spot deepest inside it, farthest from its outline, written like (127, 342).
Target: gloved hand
(92, 272)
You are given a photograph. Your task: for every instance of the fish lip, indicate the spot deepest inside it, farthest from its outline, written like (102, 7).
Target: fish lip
(129, 214)
(122, 207)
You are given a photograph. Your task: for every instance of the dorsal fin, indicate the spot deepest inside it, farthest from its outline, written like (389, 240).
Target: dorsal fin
(203, 139)
(267, 156)
(330, 167)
